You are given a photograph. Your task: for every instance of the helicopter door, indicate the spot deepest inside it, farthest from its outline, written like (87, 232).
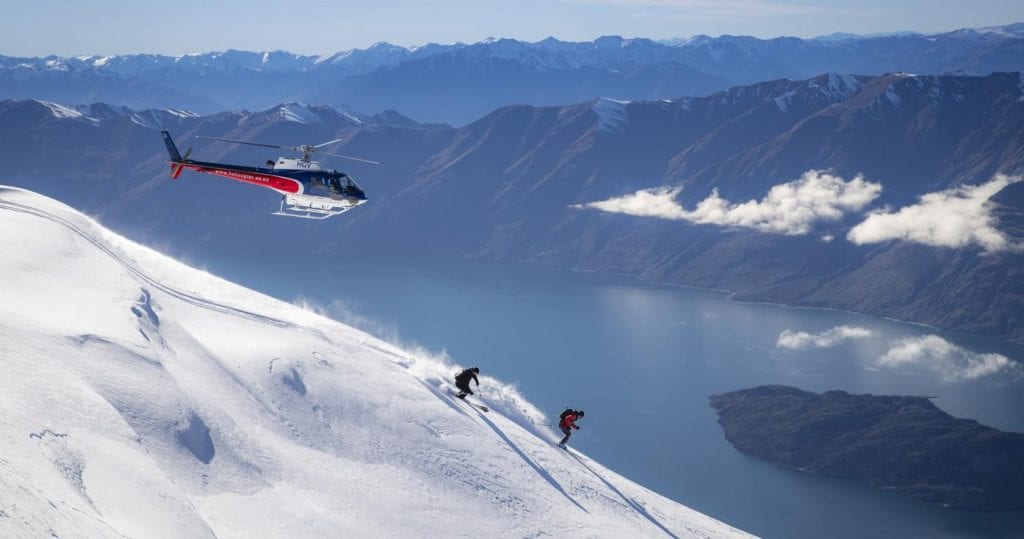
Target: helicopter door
(317, 183)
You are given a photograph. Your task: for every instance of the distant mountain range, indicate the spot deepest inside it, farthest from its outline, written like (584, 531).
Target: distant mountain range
(461, 82)
(757, 188)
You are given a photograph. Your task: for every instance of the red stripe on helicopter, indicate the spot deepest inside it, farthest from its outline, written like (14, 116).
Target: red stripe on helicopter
(286, 185)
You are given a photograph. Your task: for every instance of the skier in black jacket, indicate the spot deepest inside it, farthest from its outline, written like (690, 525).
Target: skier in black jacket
(462, 381)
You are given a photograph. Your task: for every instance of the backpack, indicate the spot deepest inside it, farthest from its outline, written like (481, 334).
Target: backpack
(567, 411)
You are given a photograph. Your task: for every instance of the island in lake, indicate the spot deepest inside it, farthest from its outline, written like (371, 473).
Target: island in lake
(906, 444)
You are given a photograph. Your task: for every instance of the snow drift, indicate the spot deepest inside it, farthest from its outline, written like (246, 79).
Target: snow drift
(142, 397)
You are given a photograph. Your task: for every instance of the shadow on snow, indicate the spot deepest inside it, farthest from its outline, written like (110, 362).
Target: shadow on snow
(637, 507)
(543, 473)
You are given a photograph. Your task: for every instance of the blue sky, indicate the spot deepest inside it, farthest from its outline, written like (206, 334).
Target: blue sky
(66, 28)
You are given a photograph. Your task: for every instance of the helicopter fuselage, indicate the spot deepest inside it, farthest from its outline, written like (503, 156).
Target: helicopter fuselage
(257, 176)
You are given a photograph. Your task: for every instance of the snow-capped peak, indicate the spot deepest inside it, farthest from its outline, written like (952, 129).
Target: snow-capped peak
(56, 64)
(836, 87)
(783, 101)
(61, 111)
(298, 113)
(309, 114)
(611, 114)
(155, 118)
(65, 112)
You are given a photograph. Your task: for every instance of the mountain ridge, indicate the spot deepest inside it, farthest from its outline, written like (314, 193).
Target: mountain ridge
(494, 72)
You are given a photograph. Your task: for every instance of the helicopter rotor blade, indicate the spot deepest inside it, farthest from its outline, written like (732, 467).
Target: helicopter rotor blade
(303, 149)
(352, 158)
(327, 143)
(242, 142)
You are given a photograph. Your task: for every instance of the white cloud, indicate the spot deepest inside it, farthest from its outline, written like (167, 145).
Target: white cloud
(950, 361)
(825, 339)
(790, 208)
(659, 202)
(956, 217)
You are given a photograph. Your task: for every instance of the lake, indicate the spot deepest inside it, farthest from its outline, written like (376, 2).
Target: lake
(641, 359)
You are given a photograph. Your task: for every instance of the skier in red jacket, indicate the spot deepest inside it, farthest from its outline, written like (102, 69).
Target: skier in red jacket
(568, 424)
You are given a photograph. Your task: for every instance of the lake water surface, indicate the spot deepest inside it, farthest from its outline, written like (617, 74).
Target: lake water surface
(641, 359)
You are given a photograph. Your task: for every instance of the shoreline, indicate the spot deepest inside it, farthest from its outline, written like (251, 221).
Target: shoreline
(729, 296)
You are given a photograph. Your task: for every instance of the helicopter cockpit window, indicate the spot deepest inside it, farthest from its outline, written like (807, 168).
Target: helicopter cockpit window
(317, 182)
(336, 185)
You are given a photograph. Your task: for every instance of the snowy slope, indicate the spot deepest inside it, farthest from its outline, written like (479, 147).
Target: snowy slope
(142, 397)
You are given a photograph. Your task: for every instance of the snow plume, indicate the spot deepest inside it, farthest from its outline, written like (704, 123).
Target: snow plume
(340, 312)
(795, 340)
(950, 361)
(436, 369)
(956, 217)
(790, 208)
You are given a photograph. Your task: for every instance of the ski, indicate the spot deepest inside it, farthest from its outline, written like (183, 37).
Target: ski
(480, 407)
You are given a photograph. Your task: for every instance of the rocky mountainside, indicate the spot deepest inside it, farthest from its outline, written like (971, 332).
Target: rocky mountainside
(461, 82)
(906, 444)
(756, 188)
(518, 174)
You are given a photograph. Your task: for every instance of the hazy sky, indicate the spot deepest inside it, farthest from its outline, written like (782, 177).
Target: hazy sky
(68, 28)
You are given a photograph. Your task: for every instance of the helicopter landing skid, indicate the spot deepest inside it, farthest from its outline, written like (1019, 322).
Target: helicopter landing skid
(307, 207)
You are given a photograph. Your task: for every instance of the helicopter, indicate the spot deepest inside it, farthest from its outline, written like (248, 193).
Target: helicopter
(310, 191)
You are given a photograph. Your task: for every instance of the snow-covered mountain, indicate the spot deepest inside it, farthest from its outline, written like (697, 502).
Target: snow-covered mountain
(141, 397)
(461, 82)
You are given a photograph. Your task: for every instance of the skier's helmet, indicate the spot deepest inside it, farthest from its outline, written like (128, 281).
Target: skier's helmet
(580, 413)
(476, 370)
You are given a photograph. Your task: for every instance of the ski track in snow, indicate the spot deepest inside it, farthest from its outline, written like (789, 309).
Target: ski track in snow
(149, 409)
(184, 296)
